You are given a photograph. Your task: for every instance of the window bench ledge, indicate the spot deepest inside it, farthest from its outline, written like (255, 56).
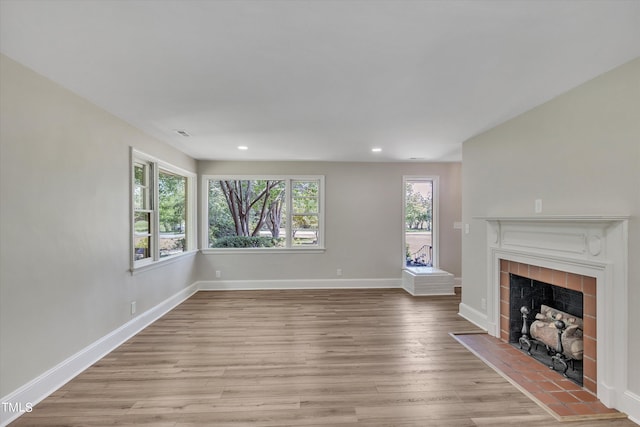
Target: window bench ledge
(162, 262)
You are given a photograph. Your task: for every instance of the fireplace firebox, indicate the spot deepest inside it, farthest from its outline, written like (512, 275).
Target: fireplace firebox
(535, 309)
(533, 294)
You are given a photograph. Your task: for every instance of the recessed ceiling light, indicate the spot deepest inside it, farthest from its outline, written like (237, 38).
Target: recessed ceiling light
(182, 132)
(376, 150)
(242, 147)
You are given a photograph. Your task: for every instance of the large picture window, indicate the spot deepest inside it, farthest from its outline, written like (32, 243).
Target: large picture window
(274, 212)
(163, 209)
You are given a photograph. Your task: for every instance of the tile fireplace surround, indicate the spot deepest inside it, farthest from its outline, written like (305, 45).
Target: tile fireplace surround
(591, 250)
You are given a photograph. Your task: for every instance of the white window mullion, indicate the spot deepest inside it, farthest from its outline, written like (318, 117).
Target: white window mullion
(289, 209)
(321, 221)
(191, 216)
(155, 215)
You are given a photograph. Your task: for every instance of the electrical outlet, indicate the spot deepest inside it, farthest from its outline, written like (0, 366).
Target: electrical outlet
(218, 274)
(133, 307)
(339, 272)
(466, 229)
(483, 303)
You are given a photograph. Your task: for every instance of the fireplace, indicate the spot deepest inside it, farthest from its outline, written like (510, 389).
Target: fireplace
(584, 253)
(533, 286)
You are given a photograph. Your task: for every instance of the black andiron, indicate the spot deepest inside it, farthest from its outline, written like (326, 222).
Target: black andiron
(557, 353)
(559, 357)
(525, 341)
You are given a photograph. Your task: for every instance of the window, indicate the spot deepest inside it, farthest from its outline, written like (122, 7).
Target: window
(420, 232)
(265, 212)
(172, 210)
(163, 206)
(142, 210)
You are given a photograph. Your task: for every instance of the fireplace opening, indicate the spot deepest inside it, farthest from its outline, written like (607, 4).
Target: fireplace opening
(557, 345)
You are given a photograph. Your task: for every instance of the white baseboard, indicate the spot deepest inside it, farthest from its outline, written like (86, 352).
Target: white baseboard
(474, 316)
(27, 396)
(253, 285)
(631, 406)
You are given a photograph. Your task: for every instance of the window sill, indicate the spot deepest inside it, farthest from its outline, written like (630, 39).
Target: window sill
(229, 251)
(162, 262)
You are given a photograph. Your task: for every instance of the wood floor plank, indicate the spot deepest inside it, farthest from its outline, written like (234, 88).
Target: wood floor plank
(312, 358)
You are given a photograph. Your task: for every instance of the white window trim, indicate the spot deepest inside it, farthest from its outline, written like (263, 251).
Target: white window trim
(190, 216)
(162, 262)
(204, 185)
(435, 200)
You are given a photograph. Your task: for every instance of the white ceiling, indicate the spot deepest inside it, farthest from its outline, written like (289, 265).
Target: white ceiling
(319, 80)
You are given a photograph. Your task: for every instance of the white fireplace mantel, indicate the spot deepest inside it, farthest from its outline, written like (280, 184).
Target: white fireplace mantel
(595, 246)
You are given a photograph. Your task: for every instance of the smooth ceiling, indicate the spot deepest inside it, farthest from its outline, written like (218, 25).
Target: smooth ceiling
(319, 80)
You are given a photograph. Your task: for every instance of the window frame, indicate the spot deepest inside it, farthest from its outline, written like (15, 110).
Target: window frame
(289, 248)
(155, 167)
(435, 212)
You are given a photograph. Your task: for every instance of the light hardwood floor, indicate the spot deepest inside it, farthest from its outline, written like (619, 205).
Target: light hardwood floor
(297, 358)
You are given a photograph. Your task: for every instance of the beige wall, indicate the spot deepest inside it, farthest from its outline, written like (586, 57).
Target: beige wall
(580, 154)
(64, 226)
(363, 222)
